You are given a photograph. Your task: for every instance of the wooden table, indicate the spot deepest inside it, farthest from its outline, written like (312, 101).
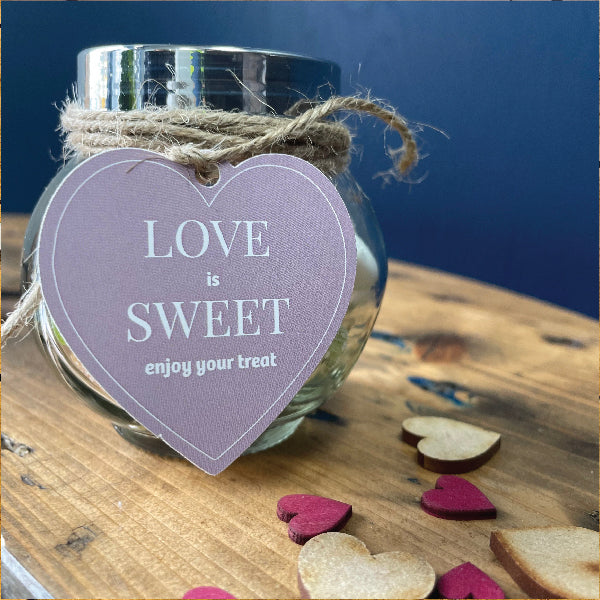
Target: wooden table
(87, 515)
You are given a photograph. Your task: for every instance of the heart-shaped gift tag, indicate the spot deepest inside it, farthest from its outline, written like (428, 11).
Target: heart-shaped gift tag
(458, 499)
(338, 565)
(550, 562)
(449, 446)
(309, 515)
(202, 310)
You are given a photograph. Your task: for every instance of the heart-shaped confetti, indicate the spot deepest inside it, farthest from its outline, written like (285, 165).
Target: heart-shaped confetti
(337, 565)
(207, 593)
(202, 310)
(550, 562)
(449, 446)
(467, 581)
(458, 499)
(309, 516)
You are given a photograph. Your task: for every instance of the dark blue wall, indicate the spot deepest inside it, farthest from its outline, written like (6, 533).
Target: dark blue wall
(510, 198)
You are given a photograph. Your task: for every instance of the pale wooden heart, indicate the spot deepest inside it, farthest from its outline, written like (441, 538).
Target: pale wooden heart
(338, 565)
(449, 446)
(550, 562)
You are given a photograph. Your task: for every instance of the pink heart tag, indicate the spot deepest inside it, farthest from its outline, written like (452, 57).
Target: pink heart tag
(309, 516)
(207, 593)
(458, 499)
(201, 310)
(467, 581)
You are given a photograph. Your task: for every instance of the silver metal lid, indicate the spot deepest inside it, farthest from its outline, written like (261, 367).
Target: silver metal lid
(133, 76)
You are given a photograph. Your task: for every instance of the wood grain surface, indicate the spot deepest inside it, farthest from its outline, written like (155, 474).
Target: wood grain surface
(91, 516)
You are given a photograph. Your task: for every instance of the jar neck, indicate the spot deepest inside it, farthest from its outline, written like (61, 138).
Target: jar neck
(252, 81)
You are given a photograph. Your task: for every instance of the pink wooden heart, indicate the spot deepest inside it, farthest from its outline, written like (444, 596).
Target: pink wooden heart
(207, 593)
(309, 516)
(467, 581)
(458, 499)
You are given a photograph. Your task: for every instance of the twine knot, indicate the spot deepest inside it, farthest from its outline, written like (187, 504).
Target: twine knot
(202, 137)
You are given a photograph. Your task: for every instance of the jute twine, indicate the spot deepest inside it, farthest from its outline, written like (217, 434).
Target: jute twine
(203, 137)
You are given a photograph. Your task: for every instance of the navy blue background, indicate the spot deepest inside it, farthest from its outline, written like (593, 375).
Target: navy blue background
(510, 198)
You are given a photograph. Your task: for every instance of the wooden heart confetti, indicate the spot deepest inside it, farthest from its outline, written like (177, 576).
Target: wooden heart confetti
(467, 581)
(449, 446)
(207, 593)
(309, 516)
(550, 562)
(458, 499)
(337, 565)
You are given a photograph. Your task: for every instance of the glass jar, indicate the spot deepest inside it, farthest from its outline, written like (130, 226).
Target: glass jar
(256, 82)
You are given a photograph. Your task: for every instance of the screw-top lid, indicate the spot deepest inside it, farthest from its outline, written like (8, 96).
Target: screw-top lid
(256, 81)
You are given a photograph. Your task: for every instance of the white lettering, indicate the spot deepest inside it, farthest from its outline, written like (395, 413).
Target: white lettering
(219, 318)
(241, 317)
(151, 250)
(255, 238)
(139, 322)
(217, 227)
(179, 238)
(169, 327)
(198, 241)
(276, 302)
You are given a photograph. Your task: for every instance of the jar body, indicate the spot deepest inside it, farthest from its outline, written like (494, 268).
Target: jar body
(371, 273)
(257, 82)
